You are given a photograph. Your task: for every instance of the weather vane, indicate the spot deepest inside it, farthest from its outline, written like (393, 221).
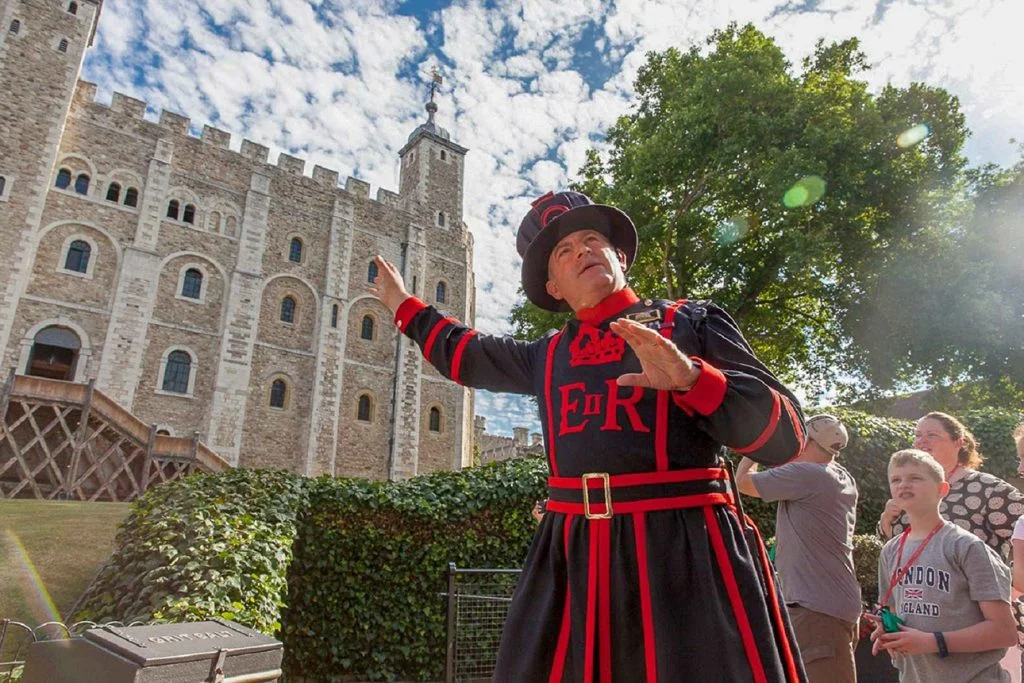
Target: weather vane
(435, 81)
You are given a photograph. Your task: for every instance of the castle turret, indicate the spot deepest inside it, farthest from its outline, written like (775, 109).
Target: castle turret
(42, 46)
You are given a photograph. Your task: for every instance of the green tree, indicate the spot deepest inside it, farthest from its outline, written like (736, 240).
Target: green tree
(777, 193)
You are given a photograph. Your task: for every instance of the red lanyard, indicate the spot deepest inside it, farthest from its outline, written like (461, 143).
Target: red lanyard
(899, 558)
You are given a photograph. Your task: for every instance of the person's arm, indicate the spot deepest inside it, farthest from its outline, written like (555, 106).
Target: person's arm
(996, 630)
(1018, 564)
(744, 482)
(1001, 532)
(456, 351)
(736, 400)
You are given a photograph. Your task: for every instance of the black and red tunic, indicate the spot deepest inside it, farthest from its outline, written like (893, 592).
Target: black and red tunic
(668, 584)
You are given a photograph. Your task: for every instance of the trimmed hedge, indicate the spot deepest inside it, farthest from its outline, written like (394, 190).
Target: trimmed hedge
(200, 547)
(361, 565)
(371, 562)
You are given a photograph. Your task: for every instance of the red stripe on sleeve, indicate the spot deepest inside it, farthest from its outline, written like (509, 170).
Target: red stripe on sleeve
(432, 337)
(647, 614)
(562, 649)
(457, 356)
(547, 398)
(773, 422)
(733, 590)
(407, 311)
(708, 393)
(798, 432)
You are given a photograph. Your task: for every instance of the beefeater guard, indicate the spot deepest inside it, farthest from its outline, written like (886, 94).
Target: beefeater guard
(643, 568)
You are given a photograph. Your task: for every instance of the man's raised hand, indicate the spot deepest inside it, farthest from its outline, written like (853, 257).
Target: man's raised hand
(664, 366)
(388, 286)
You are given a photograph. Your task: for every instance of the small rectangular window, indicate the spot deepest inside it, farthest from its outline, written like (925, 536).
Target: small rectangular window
(15, 26)
(62, 46)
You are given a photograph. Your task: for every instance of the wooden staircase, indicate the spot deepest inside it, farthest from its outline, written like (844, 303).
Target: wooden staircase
(66, 441)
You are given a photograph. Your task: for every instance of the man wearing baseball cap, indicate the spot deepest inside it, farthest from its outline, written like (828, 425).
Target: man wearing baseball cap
(640, 569)
(814, 547)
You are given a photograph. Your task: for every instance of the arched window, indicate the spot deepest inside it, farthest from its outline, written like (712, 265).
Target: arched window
(295, 251)
(334, 315)
(131, 197)
(77, 259)
(364, 411)
(442, 293)
(82, 184)
(3, 185)
(172, 209)
(62, 46)
(367, 331)
(232, 224)
(444, 155)
(63, 179)
(288, 310)
(189, 214)
(278, 393)
(440, 219)
(176, 374)
(371, 272)
(73, 8)
(113, 192)
(215, 221)
(435, 420)
(163, 432)
(192, 284)
(15, 26)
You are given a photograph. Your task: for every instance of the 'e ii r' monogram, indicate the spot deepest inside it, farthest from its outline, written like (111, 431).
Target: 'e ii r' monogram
(592, 404)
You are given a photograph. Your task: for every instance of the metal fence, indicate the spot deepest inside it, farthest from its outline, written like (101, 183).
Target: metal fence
(478, 601)
(15, 637)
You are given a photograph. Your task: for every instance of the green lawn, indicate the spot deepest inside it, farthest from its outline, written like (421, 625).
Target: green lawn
(65, 542)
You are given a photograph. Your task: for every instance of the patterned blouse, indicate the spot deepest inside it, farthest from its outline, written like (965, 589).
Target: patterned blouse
(983, 504)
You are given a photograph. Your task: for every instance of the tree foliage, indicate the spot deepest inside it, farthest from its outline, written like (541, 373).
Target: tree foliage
(816, 212)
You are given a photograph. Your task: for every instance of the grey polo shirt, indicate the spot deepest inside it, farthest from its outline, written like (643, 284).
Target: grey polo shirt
(814, 535)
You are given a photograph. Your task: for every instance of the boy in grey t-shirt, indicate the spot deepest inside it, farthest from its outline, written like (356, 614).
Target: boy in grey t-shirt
(950, 589)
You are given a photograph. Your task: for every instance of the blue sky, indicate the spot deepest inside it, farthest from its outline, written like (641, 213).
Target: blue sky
(530, 85)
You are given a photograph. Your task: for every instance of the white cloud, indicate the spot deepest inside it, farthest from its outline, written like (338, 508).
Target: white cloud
(328, 81)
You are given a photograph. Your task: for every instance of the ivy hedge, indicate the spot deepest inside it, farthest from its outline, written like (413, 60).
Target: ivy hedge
(349, 573)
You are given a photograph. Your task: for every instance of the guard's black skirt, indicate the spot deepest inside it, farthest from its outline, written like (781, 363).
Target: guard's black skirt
(668, 595)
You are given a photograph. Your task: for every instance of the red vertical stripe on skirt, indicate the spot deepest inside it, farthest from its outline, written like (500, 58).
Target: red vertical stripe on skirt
(588, 650)
(457, 356)
(661, 416)
(562, 648)
(547, 399)
(773, 607)
(733, 589)
(604, 599)
(647, 615)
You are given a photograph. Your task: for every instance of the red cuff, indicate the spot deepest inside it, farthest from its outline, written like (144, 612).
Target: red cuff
(707, 394)
(407, 311)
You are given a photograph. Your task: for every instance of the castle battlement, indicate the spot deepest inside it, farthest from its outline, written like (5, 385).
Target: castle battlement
(86, 96)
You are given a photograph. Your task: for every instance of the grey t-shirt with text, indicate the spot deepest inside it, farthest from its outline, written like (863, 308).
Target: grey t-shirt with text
(814, 535)
(936, 595)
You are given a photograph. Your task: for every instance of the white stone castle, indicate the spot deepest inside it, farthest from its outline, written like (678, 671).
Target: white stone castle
(209, 291)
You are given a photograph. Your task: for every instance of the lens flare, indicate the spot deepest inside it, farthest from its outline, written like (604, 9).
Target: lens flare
(732, 230)
(805, 192)
(34, 590)
(913, 135)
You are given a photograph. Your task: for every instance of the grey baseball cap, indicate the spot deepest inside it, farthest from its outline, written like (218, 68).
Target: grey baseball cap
(828, 432)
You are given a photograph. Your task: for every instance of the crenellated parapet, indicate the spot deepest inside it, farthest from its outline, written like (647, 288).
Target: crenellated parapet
(85, 97)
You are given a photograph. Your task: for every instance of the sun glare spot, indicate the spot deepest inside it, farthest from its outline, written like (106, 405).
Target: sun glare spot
(805, 192)
(913, 135)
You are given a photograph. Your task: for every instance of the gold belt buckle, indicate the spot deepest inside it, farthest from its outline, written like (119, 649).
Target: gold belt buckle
(603, 476)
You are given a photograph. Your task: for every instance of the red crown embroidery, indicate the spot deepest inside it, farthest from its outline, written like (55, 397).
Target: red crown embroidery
(592, 348)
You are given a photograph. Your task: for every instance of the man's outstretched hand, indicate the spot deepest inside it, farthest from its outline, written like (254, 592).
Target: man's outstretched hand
(388, 286)
(664, 366)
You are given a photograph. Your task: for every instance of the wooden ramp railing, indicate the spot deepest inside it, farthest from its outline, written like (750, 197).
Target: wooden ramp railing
(66, 441)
